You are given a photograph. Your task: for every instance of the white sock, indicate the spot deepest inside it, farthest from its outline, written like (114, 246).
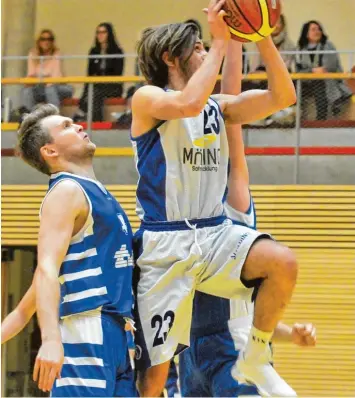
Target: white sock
(258, 343)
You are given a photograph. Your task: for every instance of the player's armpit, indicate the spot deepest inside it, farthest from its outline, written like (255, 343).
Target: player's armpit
(151, 104)
(60, 210)
(250, 105)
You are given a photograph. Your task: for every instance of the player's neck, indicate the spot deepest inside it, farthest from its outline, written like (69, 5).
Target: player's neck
(177, 82)
(81, 170)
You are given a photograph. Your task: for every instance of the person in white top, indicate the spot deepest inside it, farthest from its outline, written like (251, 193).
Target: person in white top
(185, 242)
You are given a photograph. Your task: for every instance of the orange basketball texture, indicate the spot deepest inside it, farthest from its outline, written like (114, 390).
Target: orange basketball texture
(252, 20)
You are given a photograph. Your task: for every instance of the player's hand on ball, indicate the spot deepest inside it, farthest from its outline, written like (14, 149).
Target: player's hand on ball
(48, 364)
(215, 16)
(304, 335)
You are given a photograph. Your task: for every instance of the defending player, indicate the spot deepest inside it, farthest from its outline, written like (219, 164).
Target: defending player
(82, 284)
(219, 326)
(186, 242)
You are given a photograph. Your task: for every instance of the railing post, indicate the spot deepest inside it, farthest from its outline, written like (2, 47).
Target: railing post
(298, 132)
(351, 61)
(90, 108)
(41, 61)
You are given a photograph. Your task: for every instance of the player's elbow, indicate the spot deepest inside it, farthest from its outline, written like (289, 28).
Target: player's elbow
(288, 98)
(192, 108)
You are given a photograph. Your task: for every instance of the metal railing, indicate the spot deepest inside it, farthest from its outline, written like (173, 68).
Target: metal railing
(299, 112)
(347, 57)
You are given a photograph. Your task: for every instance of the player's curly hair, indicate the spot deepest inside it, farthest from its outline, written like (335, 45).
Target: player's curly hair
(178, 40)
(32, 136)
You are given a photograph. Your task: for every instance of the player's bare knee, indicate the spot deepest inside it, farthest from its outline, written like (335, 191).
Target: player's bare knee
(288, 266)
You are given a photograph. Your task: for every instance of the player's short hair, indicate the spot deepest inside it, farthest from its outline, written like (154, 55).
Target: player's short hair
(177, 39)
(32, 136)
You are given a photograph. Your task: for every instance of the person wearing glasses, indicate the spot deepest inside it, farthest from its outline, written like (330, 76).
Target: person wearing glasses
(49, 66)
(105, 44)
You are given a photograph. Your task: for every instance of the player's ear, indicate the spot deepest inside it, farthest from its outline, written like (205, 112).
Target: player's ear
(167, 60)
(48, 151)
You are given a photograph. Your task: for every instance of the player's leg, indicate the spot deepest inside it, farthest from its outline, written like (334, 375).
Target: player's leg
(225, 354)
(240, 258)
(151, 381)
(241, 254)
(94, 349)
(194, 378)
(163, 305)
(125, 379)
(277, 268)
(172, 384)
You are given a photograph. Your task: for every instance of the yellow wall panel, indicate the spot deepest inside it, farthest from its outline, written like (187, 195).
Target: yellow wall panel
(323, 237)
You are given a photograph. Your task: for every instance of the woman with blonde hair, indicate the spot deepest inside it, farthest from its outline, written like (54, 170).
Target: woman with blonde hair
(48, 66)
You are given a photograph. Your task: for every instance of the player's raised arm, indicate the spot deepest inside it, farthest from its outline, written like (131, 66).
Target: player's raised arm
(257, 104)
(19, 317)
(60, 209)
(238, 181)
(178, 45)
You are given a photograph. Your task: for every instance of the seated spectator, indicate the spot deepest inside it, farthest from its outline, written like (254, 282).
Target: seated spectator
(283, 43)
(125, 119)
(105, 44)
(246, 67)
(325, 92)
(47, 67)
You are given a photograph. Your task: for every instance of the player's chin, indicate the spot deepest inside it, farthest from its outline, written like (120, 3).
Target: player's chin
(91, 148)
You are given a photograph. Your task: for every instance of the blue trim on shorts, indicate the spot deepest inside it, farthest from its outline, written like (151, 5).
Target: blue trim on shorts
(181, 225)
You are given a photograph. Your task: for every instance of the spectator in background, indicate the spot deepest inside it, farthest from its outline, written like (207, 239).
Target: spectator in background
(125, 120)
(47, 67)
(283, 43)
(246, 67)
(326, 92)
(105, 44)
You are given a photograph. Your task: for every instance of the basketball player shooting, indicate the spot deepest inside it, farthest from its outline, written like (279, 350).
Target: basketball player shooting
(219, 326)
(185, 241)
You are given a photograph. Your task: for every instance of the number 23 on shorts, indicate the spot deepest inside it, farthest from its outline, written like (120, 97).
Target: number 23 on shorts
(163, 326)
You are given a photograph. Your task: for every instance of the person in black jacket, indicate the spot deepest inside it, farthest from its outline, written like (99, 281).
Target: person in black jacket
(105, 44)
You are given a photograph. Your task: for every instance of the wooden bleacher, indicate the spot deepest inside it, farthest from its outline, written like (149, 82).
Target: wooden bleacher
(318, 222)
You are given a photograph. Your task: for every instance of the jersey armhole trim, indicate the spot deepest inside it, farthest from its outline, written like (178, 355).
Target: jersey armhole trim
(89, 217)
(135, 139)
(219, 108)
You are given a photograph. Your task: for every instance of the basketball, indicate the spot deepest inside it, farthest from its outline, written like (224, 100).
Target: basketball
(251, 20)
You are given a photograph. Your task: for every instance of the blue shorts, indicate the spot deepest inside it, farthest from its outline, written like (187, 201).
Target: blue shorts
(172, 384)
(96, 360)
(205, 368)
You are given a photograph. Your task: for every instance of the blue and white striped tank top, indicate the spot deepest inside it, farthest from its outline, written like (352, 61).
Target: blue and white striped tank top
(97, 269)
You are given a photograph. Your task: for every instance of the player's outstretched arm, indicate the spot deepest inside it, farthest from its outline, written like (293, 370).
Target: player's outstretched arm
(254, 105)
(19, 317)
(59, 211)
(303, 335)
(151, 104)
(238, 181)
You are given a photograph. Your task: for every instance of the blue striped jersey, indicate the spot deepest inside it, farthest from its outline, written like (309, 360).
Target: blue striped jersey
(97, 269)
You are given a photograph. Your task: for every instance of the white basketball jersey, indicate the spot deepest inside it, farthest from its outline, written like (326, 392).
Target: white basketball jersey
(182, 166)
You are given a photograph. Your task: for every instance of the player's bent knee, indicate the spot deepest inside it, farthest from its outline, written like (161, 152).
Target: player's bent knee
(288, 264)
(267, 258)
